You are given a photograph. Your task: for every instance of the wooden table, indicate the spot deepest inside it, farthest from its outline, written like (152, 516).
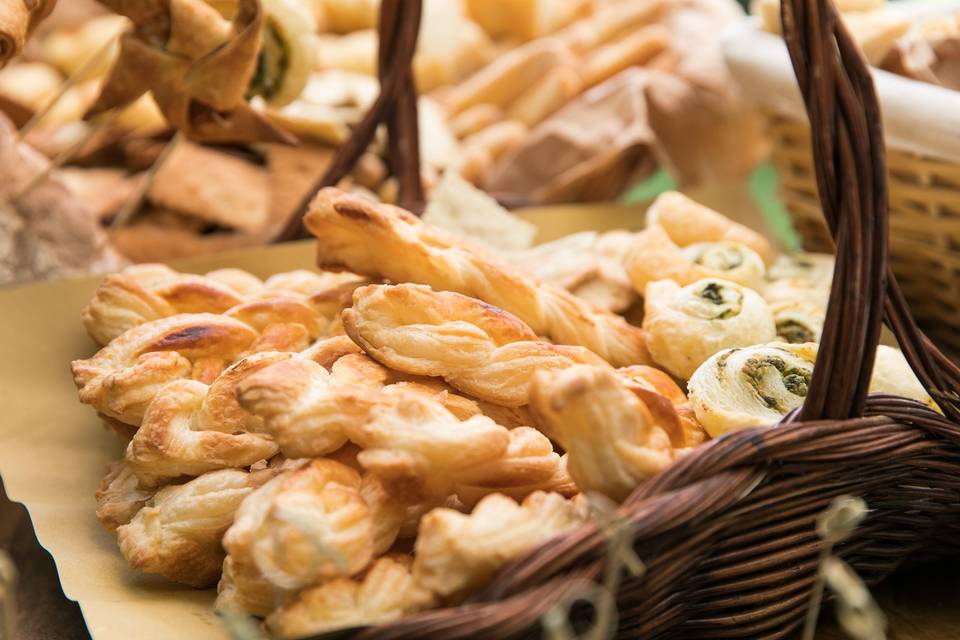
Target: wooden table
(922, 603)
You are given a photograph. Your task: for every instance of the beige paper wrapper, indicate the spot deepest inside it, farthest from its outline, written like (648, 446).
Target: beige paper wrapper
(53, 450)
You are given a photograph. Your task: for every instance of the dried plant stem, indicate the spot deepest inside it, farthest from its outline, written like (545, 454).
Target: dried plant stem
(130, 206)
(816, 595)
(67, 154)
(65, 86)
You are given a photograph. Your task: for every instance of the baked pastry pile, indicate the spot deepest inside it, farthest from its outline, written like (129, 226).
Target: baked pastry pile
(343, 448)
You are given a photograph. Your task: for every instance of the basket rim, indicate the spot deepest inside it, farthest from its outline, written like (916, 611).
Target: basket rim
(759, 63)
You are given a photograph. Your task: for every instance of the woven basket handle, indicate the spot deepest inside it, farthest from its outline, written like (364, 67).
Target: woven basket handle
(395, 106)
(849, 160)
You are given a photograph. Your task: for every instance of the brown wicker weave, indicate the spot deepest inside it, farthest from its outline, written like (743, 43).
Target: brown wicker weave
(727, 533)
(924, 221)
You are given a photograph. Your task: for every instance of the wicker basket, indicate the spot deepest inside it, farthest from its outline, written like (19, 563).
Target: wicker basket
(924, 222)
(727, 533)
(924, 180)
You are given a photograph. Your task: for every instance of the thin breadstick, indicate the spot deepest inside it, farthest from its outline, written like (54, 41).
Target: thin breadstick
(481, 149)
(546, 96)
(506, 77)
(474, 119)
(609, 24)
(633, 50)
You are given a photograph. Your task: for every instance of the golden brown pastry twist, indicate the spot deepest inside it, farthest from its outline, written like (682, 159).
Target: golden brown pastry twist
(177, 533)
(190, 428)
(457, 553)
(477, 348)
(305, 525)
(146, 292)
(121, 379)
(385, 592)
(613, 440)
(382, 241)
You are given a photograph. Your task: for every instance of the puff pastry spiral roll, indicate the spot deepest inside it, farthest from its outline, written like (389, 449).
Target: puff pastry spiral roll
(122, 378)
(612, 439)
(457, 553)
(385, 592)
(478, 349)
(798, 321)
(381, 241)
(178, 531)
(654, 256)
(739, 388)
(685, 326)
(303, 526)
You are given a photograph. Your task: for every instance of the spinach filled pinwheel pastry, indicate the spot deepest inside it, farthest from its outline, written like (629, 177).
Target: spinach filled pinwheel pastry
(759, 385)
(684, 326)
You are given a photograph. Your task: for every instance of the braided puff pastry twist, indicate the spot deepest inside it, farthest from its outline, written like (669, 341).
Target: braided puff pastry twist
(613, 440)
(178, 531)
(122, 378)
(477, 348)
(457, 553)
(385, 592)
(146, 292)
(190, 428)
(382, 241)
(303, 526)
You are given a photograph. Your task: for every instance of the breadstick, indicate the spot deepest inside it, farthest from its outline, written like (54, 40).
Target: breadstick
(509, 75)
(610, 23)
(475, 118)
(386, 242)
(477, 348)
(481, 149)
(635, 49)
(546, 96)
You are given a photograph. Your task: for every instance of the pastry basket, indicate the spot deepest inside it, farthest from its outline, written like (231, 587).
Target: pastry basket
(923, 168)
(727, 533)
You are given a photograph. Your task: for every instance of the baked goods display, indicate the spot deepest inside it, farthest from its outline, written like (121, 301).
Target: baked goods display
(346, 447)
(198, 126)
(922, 45)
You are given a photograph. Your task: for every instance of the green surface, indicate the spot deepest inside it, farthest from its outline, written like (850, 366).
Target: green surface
(763, 189)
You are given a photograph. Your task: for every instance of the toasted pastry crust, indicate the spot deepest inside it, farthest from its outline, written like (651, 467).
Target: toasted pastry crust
(381, 241)
(479, 349)
(613, 440)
